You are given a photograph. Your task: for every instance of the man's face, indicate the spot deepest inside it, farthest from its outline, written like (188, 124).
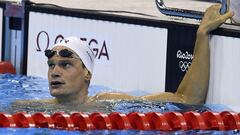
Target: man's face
(66, 76)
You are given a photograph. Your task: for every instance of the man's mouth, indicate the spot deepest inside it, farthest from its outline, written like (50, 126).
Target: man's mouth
(56, 84)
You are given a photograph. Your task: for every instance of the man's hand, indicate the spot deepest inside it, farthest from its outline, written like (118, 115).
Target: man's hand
(213, 19)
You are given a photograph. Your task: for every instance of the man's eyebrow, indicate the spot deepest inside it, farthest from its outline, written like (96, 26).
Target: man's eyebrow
(65, 61)
(59, 61)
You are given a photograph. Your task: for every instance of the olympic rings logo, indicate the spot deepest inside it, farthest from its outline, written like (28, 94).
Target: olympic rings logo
(184, 65)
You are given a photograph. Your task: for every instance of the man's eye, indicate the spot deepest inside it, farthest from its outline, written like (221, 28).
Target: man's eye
(51, 65)
(66, 65)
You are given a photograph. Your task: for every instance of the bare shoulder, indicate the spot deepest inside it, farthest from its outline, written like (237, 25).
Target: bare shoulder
(26, 102)
(165, 97)
(112, 96)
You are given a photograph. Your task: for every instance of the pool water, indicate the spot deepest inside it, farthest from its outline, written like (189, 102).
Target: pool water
(20, 87)
(44, 131)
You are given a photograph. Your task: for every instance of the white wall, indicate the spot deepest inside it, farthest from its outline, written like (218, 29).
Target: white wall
(224, 85)
(137, 54)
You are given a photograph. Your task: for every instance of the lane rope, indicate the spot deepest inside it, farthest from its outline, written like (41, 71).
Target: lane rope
(169, 121)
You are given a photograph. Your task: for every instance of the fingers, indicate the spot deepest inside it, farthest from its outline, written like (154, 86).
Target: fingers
(225, 16)
(228, 15)
(217, 6)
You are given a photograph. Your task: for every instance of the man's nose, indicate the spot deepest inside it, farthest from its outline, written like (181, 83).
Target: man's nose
(56, 72)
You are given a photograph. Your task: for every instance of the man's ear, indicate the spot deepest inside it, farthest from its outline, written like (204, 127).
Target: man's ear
(88, 75)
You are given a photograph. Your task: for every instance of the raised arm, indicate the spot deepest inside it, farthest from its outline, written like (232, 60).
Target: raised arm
(194, 85)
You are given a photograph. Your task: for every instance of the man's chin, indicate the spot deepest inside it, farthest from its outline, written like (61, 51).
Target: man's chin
(56, 92)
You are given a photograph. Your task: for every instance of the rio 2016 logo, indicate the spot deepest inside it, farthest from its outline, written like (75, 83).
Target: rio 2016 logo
(185, 61)
(99, 48)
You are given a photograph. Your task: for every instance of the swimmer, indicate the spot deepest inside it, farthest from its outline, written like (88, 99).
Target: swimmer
(71, 66)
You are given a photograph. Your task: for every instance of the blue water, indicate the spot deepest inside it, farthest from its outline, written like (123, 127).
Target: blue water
(44, 131)
(20, 87)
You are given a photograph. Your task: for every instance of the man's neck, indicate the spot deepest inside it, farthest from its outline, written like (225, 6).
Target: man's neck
(80, 98)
